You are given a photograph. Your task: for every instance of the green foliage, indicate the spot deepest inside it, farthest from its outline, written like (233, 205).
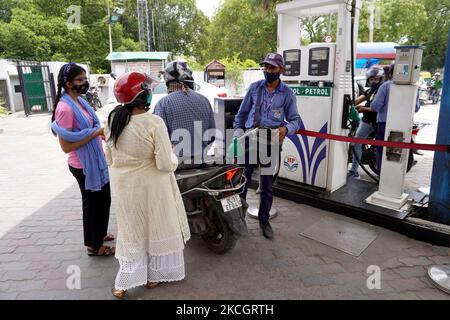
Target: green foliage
(249, 64)
(234, 71)
(249, 28)
(192, 63)
(435, 33)
(179, 26)
(243, 28)
(3, 111)
(240, 30)
(128, 44)
(38, 30)
(403, 25)
(418, 22)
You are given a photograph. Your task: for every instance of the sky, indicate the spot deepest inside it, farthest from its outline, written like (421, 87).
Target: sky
(208, 6)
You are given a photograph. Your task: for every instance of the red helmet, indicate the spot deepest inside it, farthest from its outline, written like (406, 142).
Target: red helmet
(131, 84)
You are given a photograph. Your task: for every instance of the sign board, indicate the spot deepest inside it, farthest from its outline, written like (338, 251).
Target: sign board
(138, 66)
(312, 91)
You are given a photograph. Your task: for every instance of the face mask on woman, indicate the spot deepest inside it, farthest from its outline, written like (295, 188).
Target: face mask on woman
(81, 88)
(149, 101)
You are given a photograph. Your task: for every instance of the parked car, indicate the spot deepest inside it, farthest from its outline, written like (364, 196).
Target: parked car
(208, 90)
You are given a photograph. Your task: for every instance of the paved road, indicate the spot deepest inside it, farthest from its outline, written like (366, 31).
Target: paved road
(41, 236)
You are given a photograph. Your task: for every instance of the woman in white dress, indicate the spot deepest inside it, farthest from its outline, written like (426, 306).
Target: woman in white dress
(151, 220)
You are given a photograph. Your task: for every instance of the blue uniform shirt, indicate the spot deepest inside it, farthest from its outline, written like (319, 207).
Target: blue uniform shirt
(381, 102)
(275, 108)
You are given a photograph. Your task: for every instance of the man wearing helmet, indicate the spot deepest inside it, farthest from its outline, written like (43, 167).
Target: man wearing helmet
(187, 114)
(368, 124)
(380, 105)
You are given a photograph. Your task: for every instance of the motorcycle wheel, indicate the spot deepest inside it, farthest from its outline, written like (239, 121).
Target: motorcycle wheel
(370, 158)
(98, 104)
(373, 166)
(220, 238)
(411, 161)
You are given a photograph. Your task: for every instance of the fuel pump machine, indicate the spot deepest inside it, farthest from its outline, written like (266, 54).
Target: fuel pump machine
(320, 76)
(314, 170)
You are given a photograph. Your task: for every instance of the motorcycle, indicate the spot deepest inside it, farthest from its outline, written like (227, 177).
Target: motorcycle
(92, 98)
(369, 152)
(214, 208)
(424, 94)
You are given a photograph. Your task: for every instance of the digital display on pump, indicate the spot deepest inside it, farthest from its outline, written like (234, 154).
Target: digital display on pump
(319, 55)
(292, 61)
(319, 59)
(292, 56)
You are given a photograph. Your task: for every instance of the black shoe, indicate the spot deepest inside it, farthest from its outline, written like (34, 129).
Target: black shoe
(266, 229)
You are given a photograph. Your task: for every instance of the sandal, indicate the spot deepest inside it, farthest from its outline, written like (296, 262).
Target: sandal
(108, 237)
(103, 251)
(118, 293)
(151, 285)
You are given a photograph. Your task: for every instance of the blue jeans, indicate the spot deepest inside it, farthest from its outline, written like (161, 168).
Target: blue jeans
(381, 130)
(266, 180)
(364, 130)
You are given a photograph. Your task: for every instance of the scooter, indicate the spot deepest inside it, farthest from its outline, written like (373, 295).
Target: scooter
(93, 99)
(214, 208)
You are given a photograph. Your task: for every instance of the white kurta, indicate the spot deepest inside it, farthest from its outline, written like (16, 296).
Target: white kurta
(151, 220)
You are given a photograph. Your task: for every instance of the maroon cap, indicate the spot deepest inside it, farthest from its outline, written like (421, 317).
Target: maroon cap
(274, 59)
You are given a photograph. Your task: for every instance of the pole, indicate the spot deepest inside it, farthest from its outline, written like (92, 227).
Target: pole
(330, 17)
(440, 178)
(109, 27)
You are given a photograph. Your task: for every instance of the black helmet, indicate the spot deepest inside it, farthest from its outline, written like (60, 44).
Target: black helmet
(179, 72)
(375, 72)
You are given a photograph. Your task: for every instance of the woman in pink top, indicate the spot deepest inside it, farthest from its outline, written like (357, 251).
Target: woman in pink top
(74, 118)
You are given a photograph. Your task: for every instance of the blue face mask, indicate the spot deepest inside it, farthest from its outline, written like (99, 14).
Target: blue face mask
(149, 101)
(149, 98)
(271, 77)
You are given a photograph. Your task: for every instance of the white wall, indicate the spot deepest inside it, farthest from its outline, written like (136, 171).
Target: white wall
(3, 66)
(251, 76)
(103, 90)
(16, 100)
(8, 72)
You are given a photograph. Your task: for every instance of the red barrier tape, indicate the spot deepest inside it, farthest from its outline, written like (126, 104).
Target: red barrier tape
(381, 143)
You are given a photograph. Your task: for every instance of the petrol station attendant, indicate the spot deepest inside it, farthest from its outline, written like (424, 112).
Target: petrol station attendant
(269, 103)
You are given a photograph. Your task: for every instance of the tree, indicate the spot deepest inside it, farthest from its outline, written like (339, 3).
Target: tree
(178, 26)
(234, 72)
(403, 25)
(246, 28)
(418, 22)
(435, 35)
(38, 30)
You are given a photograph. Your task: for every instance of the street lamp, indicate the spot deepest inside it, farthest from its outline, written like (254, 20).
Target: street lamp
(113, 18)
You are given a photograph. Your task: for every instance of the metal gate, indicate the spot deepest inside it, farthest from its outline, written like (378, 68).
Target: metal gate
(37, 86)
